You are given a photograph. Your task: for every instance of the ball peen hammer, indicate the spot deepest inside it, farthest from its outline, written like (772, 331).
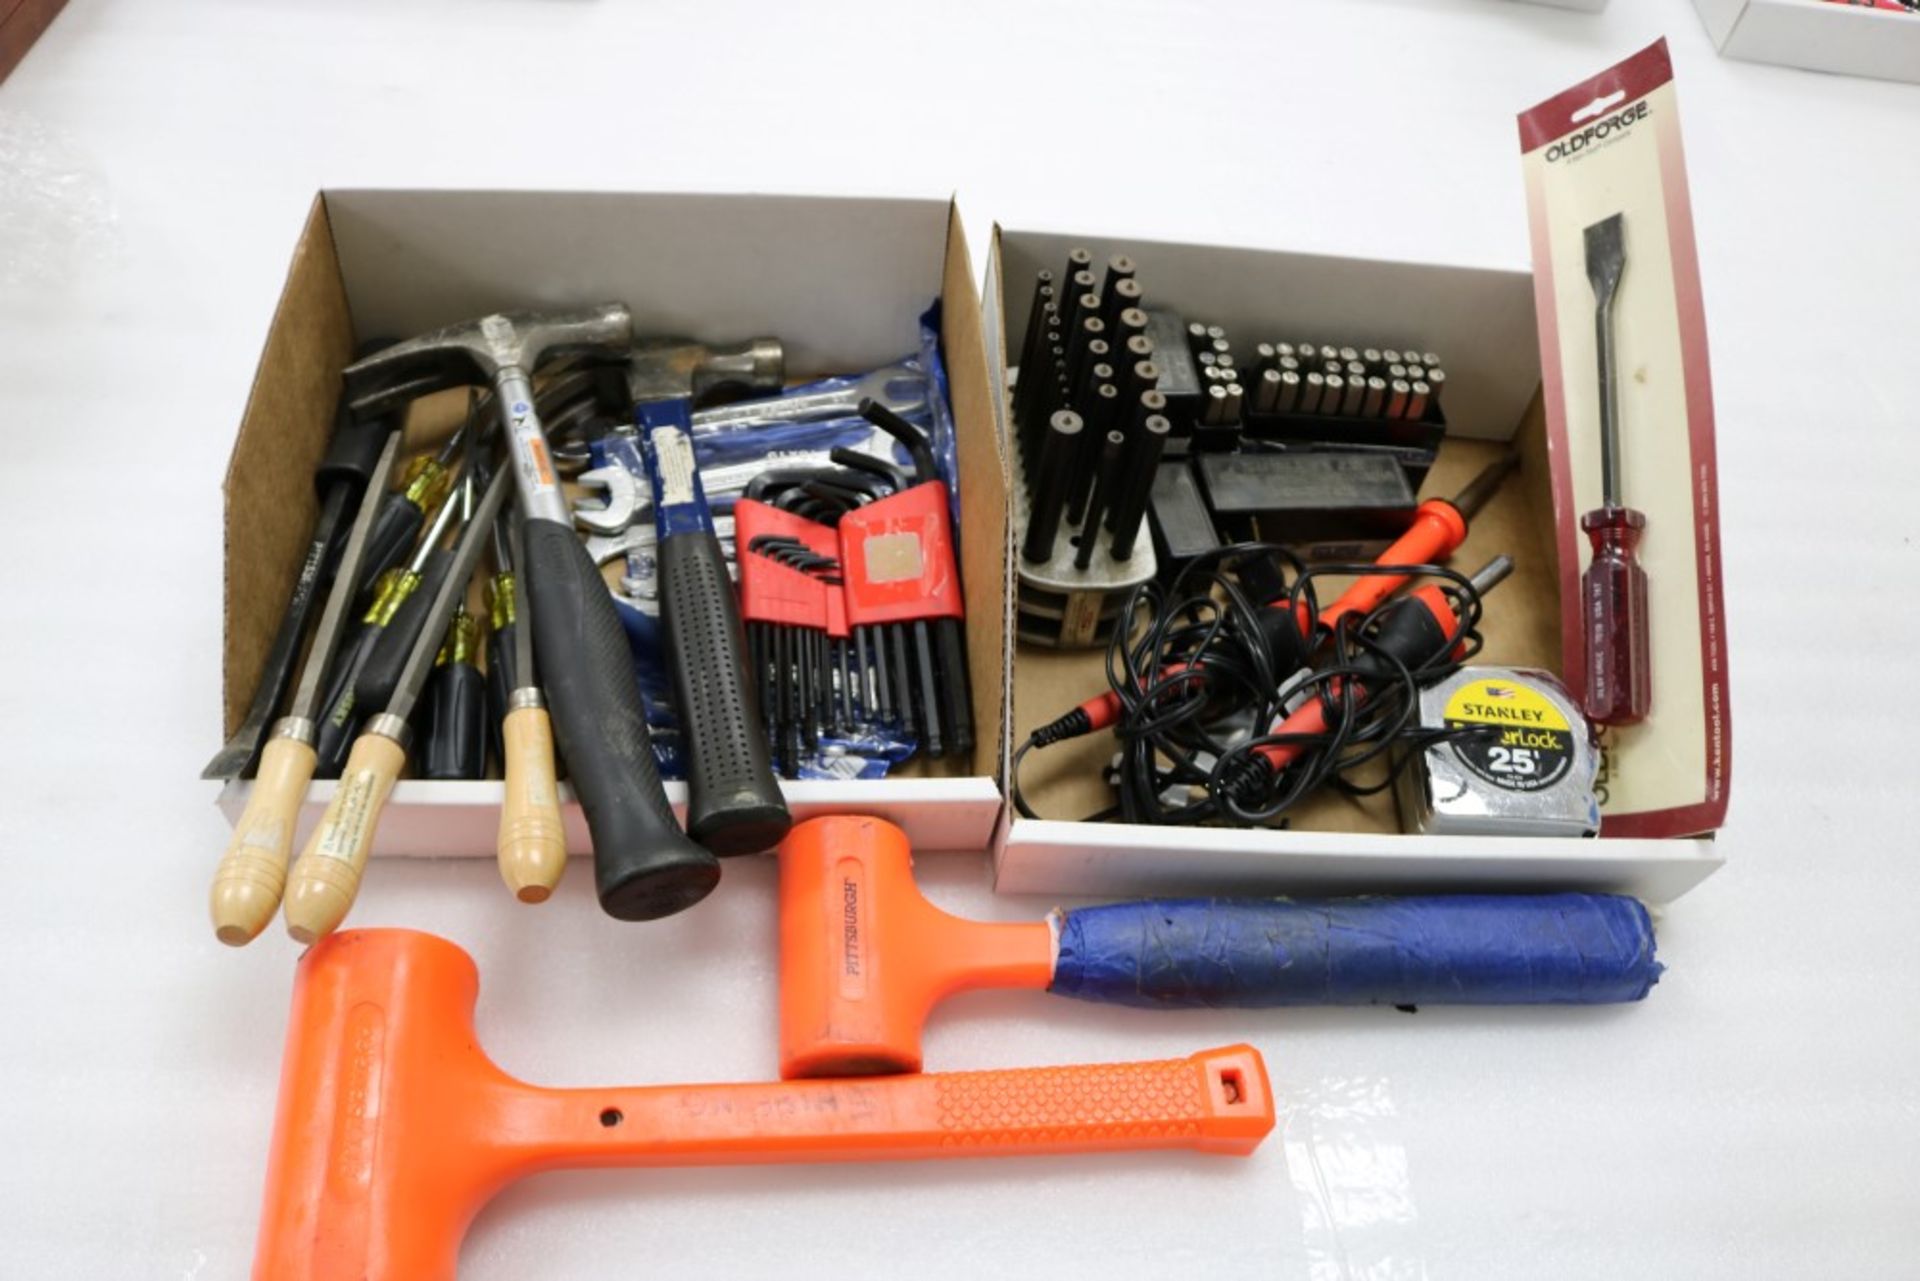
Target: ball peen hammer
(644, 866)
(864, 957)
(394, 1128)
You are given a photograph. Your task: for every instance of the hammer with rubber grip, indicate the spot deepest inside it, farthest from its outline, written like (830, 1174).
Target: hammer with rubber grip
(644, 865)
(734, 803)
(394, 1128)
(864, 957)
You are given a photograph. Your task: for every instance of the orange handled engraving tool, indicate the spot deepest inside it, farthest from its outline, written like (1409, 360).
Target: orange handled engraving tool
(1439, 527)
(394, 1128)
(1613, 591)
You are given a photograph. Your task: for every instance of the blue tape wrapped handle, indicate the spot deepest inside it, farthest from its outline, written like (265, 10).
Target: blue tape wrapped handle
(1553, 949)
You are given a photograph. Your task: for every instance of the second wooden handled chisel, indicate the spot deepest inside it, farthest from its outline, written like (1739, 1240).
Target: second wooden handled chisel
(325, 879)
(247, 885)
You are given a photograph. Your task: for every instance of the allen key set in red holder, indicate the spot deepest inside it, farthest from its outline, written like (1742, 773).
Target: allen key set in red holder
(851, 596)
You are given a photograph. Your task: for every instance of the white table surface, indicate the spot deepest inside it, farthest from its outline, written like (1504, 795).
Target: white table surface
(1759, 1115)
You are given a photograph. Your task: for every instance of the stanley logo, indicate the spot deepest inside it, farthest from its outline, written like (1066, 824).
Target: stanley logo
(1500, 712)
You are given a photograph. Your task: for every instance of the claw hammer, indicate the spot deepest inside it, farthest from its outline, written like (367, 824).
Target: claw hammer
(645, 867)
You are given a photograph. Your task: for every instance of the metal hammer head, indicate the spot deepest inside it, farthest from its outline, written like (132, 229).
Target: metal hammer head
(394, 1128)
(473, 351)
(669, 368)
(864, 956)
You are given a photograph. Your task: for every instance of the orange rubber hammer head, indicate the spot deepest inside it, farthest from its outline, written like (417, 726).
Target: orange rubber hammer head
(394, 1128)
(864, 956)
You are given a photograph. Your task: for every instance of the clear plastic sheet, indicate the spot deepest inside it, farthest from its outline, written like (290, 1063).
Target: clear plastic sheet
(57, 212)
(1348, 1165)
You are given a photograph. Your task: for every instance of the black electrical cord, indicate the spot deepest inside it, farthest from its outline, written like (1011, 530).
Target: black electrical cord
(1194, 668)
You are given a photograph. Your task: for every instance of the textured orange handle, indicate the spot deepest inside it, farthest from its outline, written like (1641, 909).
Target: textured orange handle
(1215, 1101)
(1218, 1101)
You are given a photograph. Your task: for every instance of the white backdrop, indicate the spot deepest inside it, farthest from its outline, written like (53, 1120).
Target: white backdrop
(1759, 1115)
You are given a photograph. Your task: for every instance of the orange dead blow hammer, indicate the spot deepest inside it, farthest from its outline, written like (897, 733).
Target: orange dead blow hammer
(394, 1128)
(864, 957)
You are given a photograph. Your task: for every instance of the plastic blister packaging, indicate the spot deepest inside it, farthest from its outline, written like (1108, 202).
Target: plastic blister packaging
(732, 453)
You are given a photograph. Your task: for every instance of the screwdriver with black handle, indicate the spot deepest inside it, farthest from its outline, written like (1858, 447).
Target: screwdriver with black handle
(340, 713)
(405, 511)
(325, 879)
(342, 478)
(377, 677)
(247, 884)
(1613, 591)
(453, 734)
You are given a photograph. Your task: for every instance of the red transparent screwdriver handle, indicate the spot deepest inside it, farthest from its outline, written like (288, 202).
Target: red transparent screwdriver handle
(1614, 601)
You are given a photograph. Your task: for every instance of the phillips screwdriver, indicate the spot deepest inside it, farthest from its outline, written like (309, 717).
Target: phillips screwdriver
(374, 685)
(247, 885)
(1613, 591)
(405, 512)
(338, 716)
(341, 478)
(532, 846)
(326, 877)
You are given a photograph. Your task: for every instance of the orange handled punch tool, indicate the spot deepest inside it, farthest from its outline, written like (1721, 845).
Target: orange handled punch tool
(394, 1127)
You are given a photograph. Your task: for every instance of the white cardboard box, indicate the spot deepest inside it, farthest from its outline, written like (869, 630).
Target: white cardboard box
(1482, 321)
(1818, 35)
(841, 281)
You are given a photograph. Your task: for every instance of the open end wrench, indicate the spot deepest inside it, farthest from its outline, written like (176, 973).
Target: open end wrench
(900, 388)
